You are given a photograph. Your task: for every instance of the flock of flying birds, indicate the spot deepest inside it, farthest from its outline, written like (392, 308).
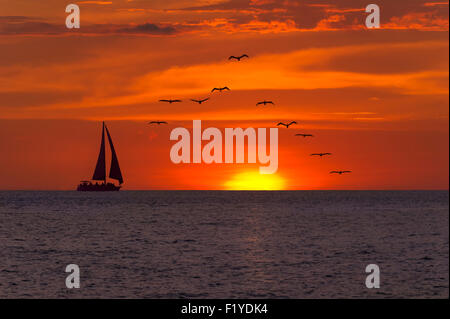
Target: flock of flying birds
(225, 88)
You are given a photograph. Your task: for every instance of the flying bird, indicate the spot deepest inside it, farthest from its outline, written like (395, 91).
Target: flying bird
(340, 172)
(305, 135)
(265, 102)
(200, 101)
(220, 89)
(157, 122)
(320, 154)
(238, 58)
(170, 101)
(287, 125)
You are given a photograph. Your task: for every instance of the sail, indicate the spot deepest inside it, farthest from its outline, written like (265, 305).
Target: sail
(100, 168)
(114, 171)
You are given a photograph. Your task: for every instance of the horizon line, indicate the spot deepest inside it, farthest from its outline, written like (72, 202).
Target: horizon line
(238, 190)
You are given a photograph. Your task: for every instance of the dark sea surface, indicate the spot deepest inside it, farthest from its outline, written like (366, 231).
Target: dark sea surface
(207, 244)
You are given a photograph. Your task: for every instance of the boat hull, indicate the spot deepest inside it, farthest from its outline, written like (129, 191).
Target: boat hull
(98, 188)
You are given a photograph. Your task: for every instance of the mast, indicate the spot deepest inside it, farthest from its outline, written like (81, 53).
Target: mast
(100, 168)
(114, 171)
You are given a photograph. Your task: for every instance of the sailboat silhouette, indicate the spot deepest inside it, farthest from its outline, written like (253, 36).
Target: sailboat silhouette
(100, 169)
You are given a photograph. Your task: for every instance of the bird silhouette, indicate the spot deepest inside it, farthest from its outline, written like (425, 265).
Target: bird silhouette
(200, 101)
(238, 58)
(220, 89)
(287, 125)
(157, 122)
(320, 154)
(265, 102)
(305, 135)
(340, 172)
(170, 101)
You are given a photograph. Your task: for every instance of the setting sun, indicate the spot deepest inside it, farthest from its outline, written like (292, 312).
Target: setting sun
(255, 181)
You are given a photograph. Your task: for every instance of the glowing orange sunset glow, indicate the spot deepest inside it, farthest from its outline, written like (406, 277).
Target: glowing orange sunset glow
(376, 99)
(255, 181)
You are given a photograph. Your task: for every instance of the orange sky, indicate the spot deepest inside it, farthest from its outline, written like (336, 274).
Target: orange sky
(377, 99)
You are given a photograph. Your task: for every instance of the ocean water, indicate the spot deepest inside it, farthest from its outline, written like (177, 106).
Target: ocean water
(207, 244)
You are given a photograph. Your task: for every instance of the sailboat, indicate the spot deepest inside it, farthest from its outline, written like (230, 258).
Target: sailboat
(100, 169)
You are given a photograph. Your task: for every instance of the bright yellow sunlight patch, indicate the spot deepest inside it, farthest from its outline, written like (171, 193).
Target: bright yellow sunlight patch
(255, 181)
